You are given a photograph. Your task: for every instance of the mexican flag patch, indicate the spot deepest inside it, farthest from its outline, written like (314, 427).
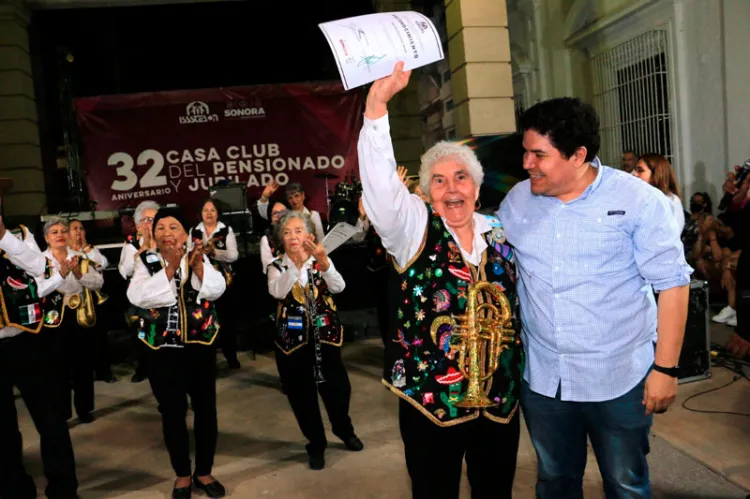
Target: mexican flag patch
(30, 314)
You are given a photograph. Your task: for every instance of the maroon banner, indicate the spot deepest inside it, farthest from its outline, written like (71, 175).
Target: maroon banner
(172, 147)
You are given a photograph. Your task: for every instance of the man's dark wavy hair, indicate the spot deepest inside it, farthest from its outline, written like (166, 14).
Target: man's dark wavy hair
(568, 122)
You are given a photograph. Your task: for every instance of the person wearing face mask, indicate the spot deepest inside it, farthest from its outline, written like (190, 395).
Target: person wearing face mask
(143, 218)
(452, 264)
(309, 336)
(270, 248)
(295, 198)
(700, 209)
(175, 292)
(220, 244)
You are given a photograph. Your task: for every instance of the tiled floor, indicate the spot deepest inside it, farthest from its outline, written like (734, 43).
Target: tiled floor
(261, 451)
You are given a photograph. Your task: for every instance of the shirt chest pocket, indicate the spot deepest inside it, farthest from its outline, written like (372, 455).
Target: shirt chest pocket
(600, 245)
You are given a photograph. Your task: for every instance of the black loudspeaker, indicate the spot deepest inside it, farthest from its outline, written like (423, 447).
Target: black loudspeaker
(695, 357)
(231, 197)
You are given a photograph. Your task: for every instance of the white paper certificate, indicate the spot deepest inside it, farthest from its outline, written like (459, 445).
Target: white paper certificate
(367, 47)
(340, 234)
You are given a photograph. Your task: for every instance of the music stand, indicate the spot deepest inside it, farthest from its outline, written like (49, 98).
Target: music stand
(327, 177)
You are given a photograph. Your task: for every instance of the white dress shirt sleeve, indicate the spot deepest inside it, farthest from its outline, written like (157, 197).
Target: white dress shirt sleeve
(333, 279)
(263, 209)
(399, 217)
(30, 240)
(280, 283)
(320, 234)
(93, 279)
(127, 261)
(45, 286)
(213, 284)
(98, 257)
(230, 254)
(150, 291)
(266, 255)
(21, 255)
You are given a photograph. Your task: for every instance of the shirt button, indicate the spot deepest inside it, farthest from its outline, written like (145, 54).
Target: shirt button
(524, 220)
(557, 268)
(599, 220)
(559, 329)
(559, 236)
(557, 296)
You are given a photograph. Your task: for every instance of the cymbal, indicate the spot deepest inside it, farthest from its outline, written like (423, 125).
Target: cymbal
(326, 175)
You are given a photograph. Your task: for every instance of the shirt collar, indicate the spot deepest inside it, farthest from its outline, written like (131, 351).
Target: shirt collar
(596, 163)
(202, 227)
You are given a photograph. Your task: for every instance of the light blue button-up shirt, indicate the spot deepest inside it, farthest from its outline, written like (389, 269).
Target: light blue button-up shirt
(586, 270)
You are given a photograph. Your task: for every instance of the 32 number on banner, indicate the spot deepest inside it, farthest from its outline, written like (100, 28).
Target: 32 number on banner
(127, 178)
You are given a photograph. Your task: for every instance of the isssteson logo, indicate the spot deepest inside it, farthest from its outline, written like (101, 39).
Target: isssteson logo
(244, 109)
(198, 112)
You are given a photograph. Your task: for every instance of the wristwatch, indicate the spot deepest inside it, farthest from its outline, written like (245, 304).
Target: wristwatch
(669, 371)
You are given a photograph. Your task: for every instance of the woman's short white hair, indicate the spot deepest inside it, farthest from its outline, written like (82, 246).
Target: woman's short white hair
(52, 222)
(143, 206)
(442, 151)
(288, 216)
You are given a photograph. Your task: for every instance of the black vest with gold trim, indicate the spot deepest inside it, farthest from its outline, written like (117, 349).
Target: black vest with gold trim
(19, 297)
(219, 242)
(198, 321)
(294, 324)
(83, 303)
(421, 359)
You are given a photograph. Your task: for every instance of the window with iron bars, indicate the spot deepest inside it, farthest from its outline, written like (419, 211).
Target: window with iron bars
(632, 98)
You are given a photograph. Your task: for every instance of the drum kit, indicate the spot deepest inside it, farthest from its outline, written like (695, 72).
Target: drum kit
(343, 202)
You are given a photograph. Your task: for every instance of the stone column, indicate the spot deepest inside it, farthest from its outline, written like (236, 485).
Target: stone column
(403, 110)
(20, 153)
(479, 58)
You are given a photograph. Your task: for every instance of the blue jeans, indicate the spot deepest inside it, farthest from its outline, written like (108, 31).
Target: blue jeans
(618, 430)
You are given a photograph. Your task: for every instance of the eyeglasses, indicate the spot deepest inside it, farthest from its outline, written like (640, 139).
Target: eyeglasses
(148, 219)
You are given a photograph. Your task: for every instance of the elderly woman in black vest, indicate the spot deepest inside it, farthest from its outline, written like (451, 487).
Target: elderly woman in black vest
(453, 264)
(71, 312)
(220, 245)
(309, 335)
(175, 292)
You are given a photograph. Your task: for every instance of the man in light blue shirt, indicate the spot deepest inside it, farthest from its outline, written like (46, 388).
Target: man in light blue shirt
(591, 242)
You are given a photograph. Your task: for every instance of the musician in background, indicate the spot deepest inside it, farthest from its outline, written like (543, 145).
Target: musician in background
(177, 322)
(71, 309)
(26, 362)
(447, 255)
(78, 243)
(295, 197)
(144, 219)
(270, 248)
(220, 245)
(309, 336)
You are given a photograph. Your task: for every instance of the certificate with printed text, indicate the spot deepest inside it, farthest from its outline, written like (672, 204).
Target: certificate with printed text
(367, 47)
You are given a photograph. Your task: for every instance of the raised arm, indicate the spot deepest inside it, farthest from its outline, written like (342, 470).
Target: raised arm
(21, 254)
(399, 217)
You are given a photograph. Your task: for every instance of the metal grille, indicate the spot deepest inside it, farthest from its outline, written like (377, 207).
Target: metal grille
(631, 95)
